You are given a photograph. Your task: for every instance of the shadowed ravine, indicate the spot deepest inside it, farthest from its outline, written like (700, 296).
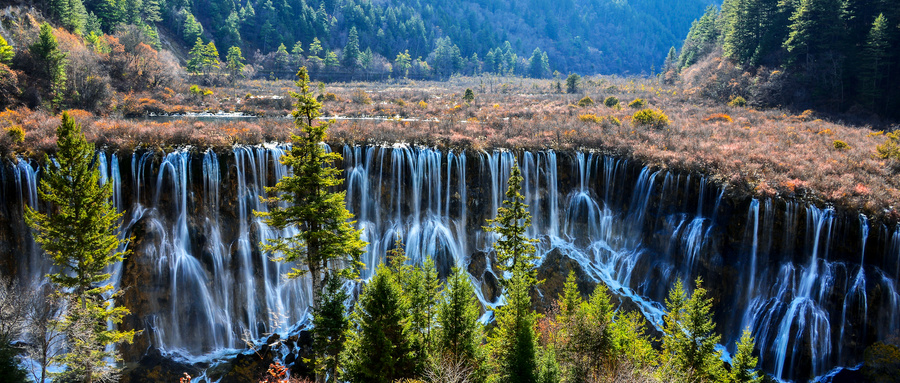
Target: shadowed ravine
(816, 286)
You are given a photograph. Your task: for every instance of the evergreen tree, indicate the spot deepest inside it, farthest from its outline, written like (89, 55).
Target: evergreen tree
(460, 333)
(331, 59)
(570, 299)
(6, 52)
(351, 50)
(282, 57)
(315, 47)
(234, 62)
(403, 63)
(52, 63)
(572, 83)
(689, 344)
(744, 32)
(377, 350)
(874, 62)
(536, 64)
(79, 234)
(192, 29)
(671, 59)
(743, 365)
(326, 243)
(701, 38)
(197, 55)
(469, 95)
(514, 342)
(152, 11)
(210, 57)
(515, 251)
(815, 29)
(330, 326)
(109, 12)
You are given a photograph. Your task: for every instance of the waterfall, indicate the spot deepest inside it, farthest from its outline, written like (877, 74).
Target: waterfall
(814, 286)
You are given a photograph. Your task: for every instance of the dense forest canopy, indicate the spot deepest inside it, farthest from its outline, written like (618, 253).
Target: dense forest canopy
(837, 55)
(467, 37)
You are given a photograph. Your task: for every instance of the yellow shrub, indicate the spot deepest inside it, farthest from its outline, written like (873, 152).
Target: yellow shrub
(590, 117)
(649, 117)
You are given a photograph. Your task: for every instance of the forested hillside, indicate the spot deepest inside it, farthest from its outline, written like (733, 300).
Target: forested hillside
(834, 55)
(585, 36)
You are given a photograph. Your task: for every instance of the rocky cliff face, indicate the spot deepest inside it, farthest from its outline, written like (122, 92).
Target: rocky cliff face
(815, 286)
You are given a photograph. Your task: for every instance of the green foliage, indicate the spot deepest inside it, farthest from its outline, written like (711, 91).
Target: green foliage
(459, 332)
(377, 350)
(815, 25)
(538, 64)
(304, 199)
(515, 250)
(548, 372)
(638, 103)
(80, 235)
(351, 50)
(234, 61)
(52, 63)
(419, 286)
(874, 63)
(513, 343)
(738, 102)
(890, 149)
(282, 57)
(572, 83)
(570, 300)
(652, 118)
(611, 101)
(630, 339)
(689, 344)
(403, 63)
(586, 101)
(10, 369)
(331, 59)
(191, 30)
(6, 52)
(701, 38)
(743, 364)
(841, 145)
(469, 96)
(315, 47)
(330, 326)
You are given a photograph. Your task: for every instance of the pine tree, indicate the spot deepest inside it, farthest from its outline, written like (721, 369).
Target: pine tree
(234, 62)
(315, 47)
(79, 234)
(210, 57)
(351, 50)
(570, 299)
(514, 342)
(815, 29)
(192, 29)
(460, 333)
(197, 56)
(403, 63)
(282, 57)
(330, 326)
(377, 350)
(6, 52)
(535, 64)
(109, 12)
(52, 63)
(743, 365)
(327, 242)
(874, 62)
(689, 344)
(331, 59)
(152, 12)
(515, 251)
(671, 59)
(745, 31)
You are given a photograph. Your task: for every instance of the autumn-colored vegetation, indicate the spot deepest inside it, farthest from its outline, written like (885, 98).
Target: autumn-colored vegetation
(760, 152)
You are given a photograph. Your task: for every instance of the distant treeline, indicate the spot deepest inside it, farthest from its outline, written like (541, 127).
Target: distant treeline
(465, 37)
(837, 55)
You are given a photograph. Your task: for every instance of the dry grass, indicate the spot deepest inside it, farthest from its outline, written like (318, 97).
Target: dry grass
(758, 152)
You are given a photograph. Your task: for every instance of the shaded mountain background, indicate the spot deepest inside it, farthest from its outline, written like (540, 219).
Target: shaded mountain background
(584, 36)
